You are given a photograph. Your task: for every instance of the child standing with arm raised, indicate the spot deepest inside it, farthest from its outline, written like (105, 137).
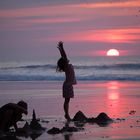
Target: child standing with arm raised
(63, 65)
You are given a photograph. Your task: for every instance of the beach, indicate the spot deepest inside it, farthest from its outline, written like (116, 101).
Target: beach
(120, 100)
(94, 43)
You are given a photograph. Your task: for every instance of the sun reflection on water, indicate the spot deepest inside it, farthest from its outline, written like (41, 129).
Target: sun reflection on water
(113, 90)
(113, 98)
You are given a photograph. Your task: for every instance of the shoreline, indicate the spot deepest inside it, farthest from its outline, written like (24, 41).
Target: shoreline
(118, 99)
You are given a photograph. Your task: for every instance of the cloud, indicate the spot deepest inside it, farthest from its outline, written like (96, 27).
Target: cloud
(35, 23)
(26, 18)
(104, 23)
(111, 4)
(51, 20)
(54, 10)
(67, 9)
(129, 35)
(85, 13)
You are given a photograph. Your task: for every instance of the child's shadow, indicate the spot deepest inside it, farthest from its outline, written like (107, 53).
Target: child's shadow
(67, 136)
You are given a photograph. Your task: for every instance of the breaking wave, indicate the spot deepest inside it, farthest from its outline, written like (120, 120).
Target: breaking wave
(129, 71)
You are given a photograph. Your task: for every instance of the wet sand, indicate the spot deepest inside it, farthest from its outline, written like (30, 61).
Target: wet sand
(120, 100)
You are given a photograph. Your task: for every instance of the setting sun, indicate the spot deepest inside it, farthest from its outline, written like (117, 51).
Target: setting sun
(112, 52)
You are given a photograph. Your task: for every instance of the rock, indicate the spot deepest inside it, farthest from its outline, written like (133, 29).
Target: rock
(79, 124)
(103, 118)
(79, 116)
(91, 120)
(120, 119)
(69, 129)
(54, 130)
(132, 112)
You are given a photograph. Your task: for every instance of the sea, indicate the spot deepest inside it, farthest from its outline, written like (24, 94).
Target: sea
(122, 68)
(105, 84)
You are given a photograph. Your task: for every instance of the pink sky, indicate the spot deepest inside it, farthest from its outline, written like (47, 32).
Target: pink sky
(31, 30)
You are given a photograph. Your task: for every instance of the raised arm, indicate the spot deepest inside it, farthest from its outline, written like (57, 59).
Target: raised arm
(62, 51)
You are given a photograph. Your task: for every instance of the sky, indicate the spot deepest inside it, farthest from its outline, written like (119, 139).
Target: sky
(31, 29)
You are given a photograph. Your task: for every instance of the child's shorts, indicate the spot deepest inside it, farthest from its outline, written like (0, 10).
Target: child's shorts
(68, 90)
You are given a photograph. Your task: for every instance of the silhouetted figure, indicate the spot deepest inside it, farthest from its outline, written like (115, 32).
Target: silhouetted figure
(11, 113)
(64, 66)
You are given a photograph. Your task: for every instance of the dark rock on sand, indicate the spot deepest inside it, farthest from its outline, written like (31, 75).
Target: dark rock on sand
(80, 116)
(120, 119)
(91, 120)
(69, 129)
(79, 124)
(54, 130)
(132, 112)
(102, 118)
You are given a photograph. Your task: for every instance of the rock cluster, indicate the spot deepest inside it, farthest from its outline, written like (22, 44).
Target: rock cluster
(56, 130)
(102, 118)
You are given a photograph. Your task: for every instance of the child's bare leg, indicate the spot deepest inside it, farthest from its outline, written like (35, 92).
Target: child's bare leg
(66, 108)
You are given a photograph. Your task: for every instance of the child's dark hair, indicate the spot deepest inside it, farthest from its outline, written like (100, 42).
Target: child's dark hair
(22, 104)
(61, 63)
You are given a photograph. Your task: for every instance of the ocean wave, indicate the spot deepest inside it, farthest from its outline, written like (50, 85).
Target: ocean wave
(53, 66)
(121, 71)
(113, 66)
(61, 78)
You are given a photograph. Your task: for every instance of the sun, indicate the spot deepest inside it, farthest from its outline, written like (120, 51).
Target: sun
(112, 52)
